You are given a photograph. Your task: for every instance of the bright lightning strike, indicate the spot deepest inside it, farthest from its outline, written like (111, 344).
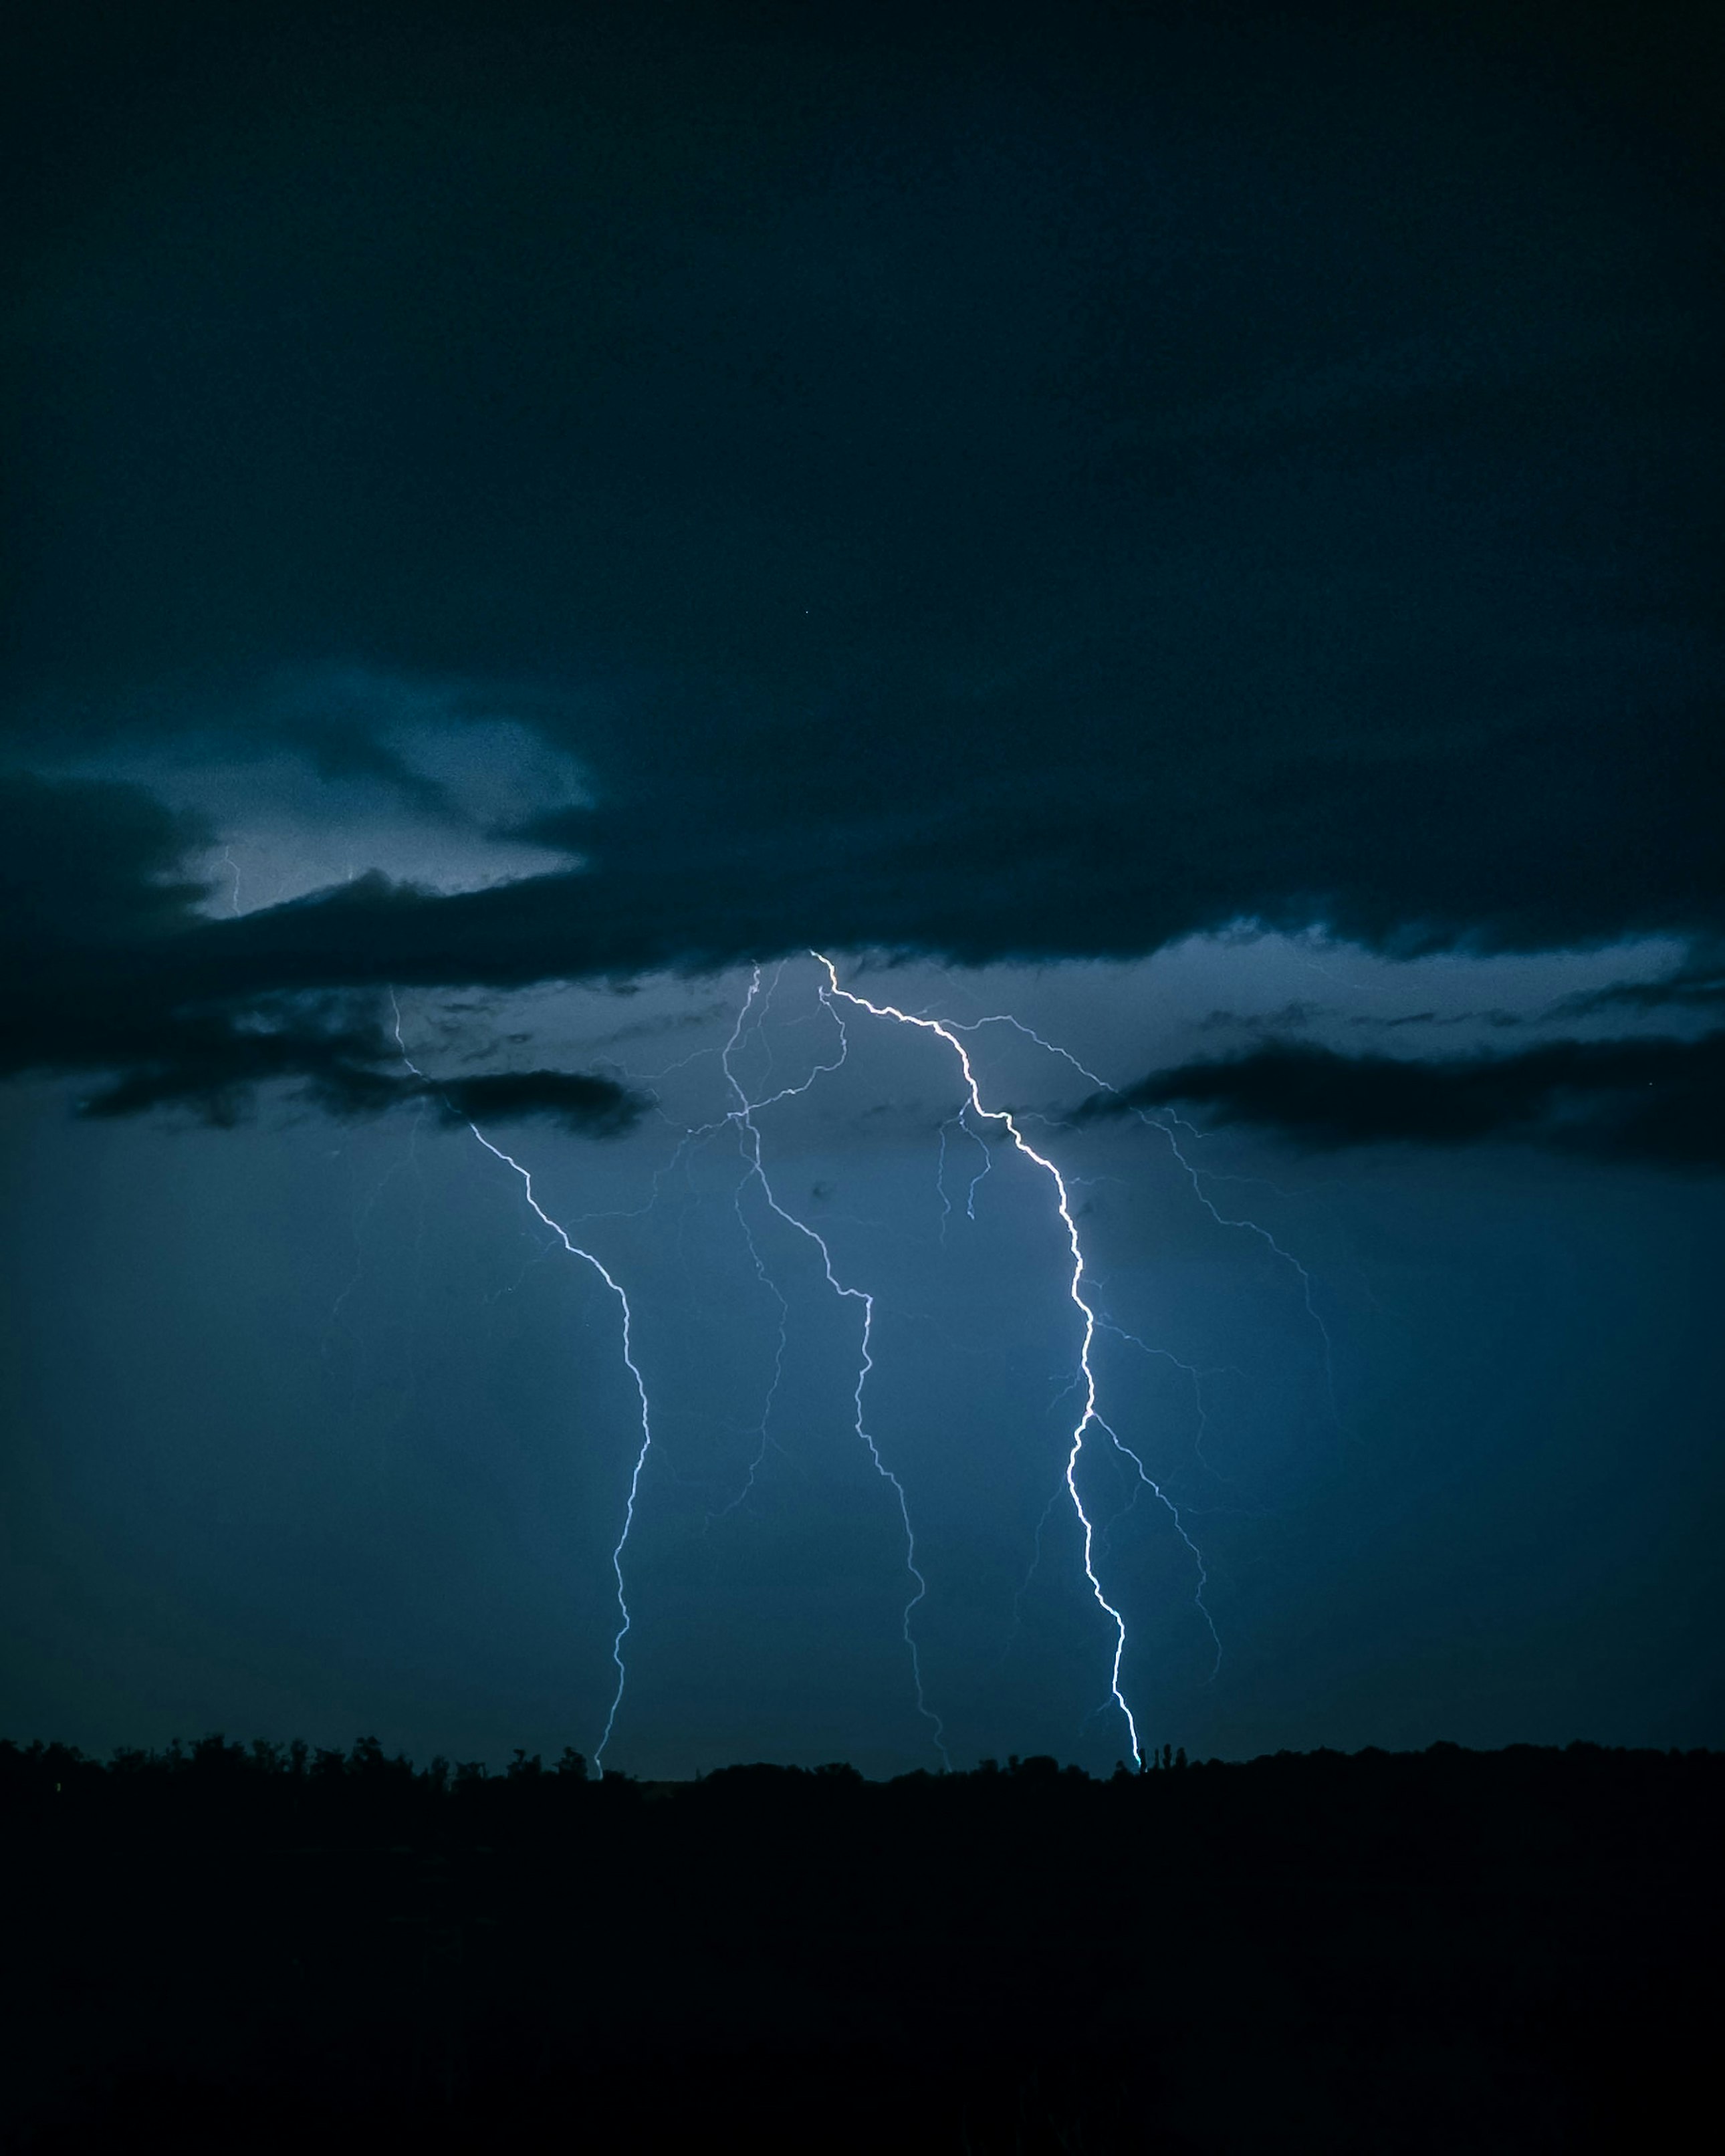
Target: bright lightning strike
(1195, 1176)
(1090, 1417)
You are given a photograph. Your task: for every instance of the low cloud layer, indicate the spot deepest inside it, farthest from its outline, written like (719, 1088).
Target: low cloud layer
(100, 973)
(595, 1107)
(1659, 1101)
(111, 968)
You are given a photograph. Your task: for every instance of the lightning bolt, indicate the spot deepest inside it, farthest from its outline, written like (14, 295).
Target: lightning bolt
(1024, 1585)
(1090, 1418)
(576, 1250)
(1195, 1176)
(948, 1028)
(940, 1173)
(759, 1263)
(744, 1115)
(762, 1429)
(971, 1118)
(1191, 1371)
(1148, 1481)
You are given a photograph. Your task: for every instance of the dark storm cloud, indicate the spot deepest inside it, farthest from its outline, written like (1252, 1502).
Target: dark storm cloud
(1657, 1100)
(95, 918)
(1698, 986)
(213, 1066)
(1021, 481)
(1500, 1018)
(595, 1106)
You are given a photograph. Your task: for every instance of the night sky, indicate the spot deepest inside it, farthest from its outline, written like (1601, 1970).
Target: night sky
(1193, 529)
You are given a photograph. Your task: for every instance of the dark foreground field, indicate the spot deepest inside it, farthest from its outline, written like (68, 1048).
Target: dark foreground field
(1445, 1951)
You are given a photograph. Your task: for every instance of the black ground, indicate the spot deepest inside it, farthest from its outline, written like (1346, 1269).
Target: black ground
(1442, 1952)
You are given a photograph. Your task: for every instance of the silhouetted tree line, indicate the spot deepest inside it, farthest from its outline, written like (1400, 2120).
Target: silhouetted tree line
(212, 1766)
(264, 1945)
(264, 1779)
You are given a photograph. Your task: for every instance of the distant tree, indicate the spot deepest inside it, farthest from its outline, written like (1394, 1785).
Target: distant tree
(522, 1769)
(572, 1766)
(65, 1762)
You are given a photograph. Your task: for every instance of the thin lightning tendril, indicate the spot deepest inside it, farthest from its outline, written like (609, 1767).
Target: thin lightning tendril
(766, 1279)
(231, 866)
(1195, 1176)
(940, 1173)
(744, 1115)
(764, 1426)
(1148, 1481)
(1190, 1369)
(1031, 1570)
